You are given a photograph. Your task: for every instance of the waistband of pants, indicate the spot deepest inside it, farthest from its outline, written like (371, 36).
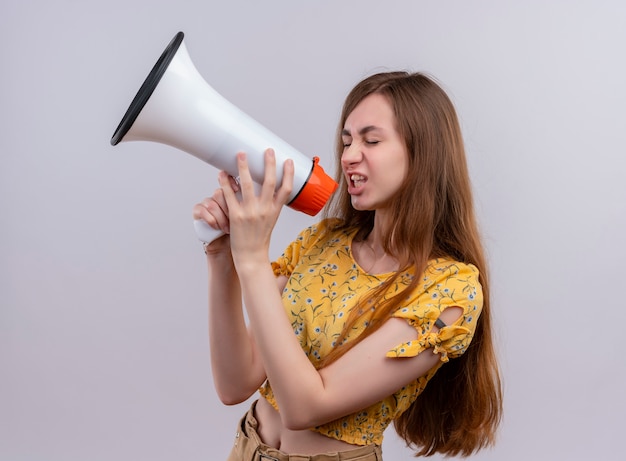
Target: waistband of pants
(249, 447)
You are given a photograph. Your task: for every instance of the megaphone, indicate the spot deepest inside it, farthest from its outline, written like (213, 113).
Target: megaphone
(177, 107)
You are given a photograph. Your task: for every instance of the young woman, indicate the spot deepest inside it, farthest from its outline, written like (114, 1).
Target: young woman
(385, 295)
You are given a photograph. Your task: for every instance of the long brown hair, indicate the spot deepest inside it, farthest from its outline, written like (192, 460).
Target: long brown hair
(460, 409)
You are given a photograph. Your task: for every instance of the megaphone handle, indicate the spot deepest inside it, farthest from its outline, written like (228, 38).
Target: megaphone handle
(205, 232)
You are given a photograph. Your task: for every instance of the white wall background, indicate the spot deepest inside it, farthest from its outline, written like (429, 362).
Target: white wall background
(103, 343)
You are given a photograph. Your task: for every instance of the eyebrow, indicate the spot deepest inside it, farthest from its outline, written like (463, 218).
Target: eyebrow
(362, 131)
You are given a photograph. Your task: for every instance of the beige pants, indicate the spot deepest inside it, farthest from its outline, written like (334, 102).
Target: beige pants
(249, 447)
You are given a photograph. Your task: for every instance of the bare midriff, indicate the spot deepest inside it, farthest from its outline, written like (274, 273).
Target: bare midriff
(276, 435)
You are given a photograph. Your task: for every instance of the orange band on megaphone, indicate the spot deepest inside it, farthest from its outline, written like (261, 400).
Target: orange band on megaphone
(315, 192)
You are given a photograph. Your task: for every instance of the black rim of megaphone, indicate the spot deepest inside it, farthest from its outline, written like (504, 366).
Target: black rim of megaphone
(148, 87)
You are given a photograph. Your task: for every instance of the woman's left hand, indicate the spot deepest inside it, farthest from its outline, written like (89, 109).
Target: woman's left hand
(253, 218)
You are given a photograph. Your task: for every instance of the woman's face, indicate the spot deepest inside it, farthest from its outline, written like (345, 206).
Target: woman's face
(374, 158)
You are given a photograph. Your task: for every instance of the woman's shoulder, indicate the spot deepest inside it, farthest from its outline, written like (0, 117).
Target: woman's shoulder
(451, 275)
(449, 266)
(327, 225)
(312, 242)
(329, 228)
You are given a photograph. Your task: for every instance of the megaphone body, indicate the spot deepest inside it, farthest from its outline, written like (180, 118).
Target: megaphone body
(177, 107)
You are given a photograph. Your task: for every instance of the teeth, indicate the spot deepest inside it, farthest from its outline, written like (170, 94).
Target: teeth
(357, 179)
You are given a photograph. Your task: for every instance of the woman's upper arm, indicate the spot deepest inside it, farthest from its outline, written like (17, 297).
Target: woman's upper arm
(366, 374)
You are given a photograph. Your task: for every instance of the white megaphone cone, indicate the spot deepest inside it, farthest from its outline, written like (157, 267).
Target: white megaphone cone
(177, 107)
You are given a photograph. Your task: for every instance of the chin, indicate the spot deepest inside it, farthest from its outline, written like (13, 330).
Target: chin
(360, 206)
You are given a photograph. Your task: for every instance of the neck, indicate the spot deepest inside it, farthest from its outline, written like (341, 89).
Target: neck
(375, 238)
(375, 244)
(371, 254)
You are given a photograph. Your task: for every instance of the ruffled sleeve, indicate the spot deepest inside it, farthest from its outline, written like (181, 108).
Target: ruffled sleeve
(444, 284)
(283, 265)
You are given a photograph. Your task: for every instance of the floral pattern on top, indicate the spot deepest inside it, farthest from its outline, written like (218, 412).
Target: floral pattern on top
(325, 283)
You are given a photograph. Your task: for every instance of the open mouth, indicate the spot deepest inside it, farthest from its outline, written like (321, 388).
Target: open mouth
(356, 180)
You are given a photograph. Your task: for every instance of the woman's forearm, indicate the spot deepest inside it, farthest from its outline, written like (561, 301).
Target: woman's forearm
(237, 368)
(288, 369)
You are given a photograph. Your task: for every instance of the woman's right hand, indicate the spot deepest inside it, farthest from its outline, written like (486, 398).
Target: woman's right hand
(214, 212)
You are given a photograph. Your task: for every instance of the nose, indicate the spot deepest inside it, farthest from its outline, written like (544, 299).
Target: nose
(351, 155)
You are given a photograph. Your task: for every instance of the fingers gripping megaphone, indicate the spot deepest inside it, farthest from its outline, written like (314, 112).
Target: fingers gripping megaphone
(177, 107)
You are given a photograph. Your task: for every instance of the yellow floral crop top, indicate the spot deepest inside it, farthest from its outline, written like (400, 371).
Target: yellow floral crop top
(325, 282)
